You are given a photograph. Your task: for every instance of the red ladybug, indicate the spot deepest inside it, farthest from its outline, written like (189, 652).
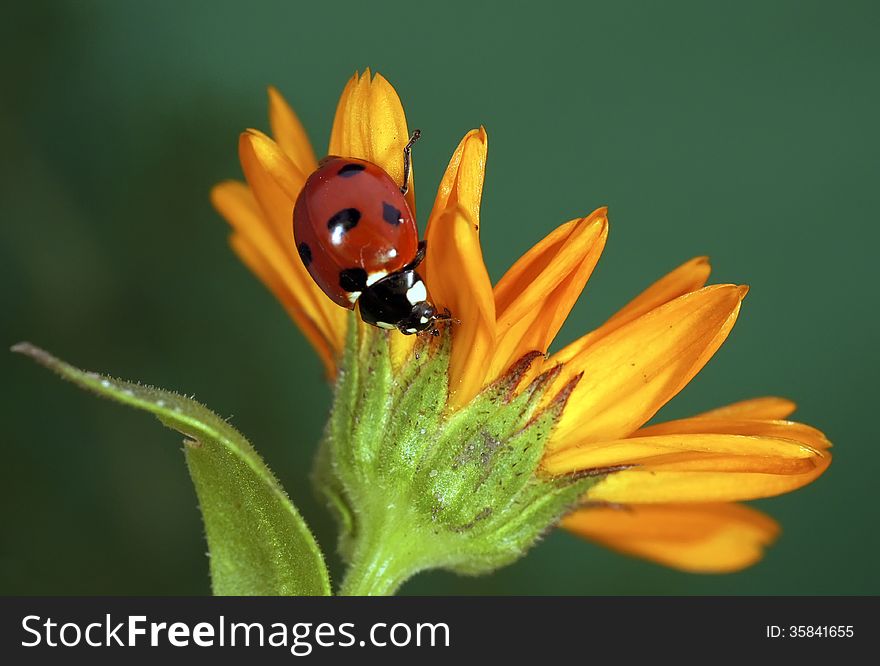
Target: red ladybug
(358, 240)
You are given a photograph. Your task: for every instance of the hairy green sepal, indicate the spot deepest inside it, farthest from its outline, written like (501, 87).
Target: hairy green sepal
(417, 486)
(258, 542)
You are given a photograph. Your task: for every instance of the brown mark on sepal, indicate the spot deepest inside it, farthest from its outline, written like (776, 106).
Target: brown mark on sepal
(508, 382)
(481, 516)
(589, 473)
(557, 404)
(601, 504)
(540, 383)
(560, 399)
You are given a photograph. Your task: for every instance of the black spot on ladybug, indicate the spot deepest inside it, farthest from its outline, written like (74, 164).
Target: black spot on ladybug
(353, 279)
(351, 169)
(390, 214)
(305, 253)
(343, 221)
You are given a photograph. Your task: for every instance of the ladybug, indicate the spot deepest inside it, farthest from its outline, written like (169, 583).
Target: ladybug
(357, 237)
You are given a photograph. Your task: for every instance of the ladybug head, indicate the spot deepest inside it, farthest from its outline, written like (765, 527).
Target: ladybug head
(420, 318)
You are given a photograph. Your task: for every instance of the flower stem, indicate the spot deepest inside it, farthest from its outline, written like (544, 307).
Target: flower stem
(382, 562)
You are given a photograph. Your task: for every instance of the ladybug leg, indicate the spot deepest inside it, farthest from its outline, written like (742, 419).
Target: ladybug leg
(446, 315)
(419, 258)
(407, 160)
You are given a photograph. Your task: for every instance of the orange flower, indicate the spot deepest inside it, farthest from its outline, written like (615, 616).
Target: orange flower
(668, 491)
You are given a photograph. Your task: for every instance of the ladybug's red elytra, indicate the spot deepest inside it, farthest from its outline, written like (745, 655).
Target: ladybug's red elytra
(357, 237)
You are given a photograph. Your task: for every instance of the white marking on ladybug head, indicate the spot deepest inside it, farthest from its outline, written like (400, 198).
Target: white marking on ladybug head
(412, 330)
(353, 296)
(424, 320)
(373, 278)
(382, 324)
(417, 293)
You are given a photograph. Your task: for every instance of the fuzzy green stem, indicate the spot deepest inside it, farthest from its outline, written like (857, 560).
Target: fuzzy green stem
(382, 562)
(374, 574)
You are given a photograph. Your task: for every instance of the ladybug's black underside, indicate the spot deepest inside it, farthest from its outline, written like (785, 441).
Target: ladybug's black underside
(387, 303)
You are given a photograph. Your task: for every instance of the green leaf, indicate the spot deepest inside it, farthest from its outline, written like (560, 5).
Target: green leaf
(259, 543)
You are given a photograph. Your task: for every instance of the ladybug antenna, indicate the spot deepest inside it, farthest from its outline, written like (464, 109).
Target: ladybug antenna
(407, 160)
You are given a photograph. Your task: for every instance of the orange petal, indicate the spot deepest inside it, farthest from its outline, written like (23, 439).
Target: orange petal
(262, 268)
(275, 182)
(237, 204)
(340, 118)
(693, 467)
(458, 281)
(699, 538)
(633, 371)
(462, 183)
(454, 270)
(290, 134)
(703, 451)
(535, 296)
(256, 246)
(370, 125)
(688, 277)
(769, 407)
(740, 426)
(720, 485)
(717, 340)
(685, 279)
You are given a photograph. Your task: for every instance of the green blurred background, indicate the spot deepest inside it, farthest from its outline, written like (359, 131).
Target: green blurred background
(747, 131)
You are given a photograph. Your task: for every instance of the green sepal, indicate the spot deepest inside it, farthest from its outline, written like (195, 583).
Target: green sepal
(417, 485)
(258, 542)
